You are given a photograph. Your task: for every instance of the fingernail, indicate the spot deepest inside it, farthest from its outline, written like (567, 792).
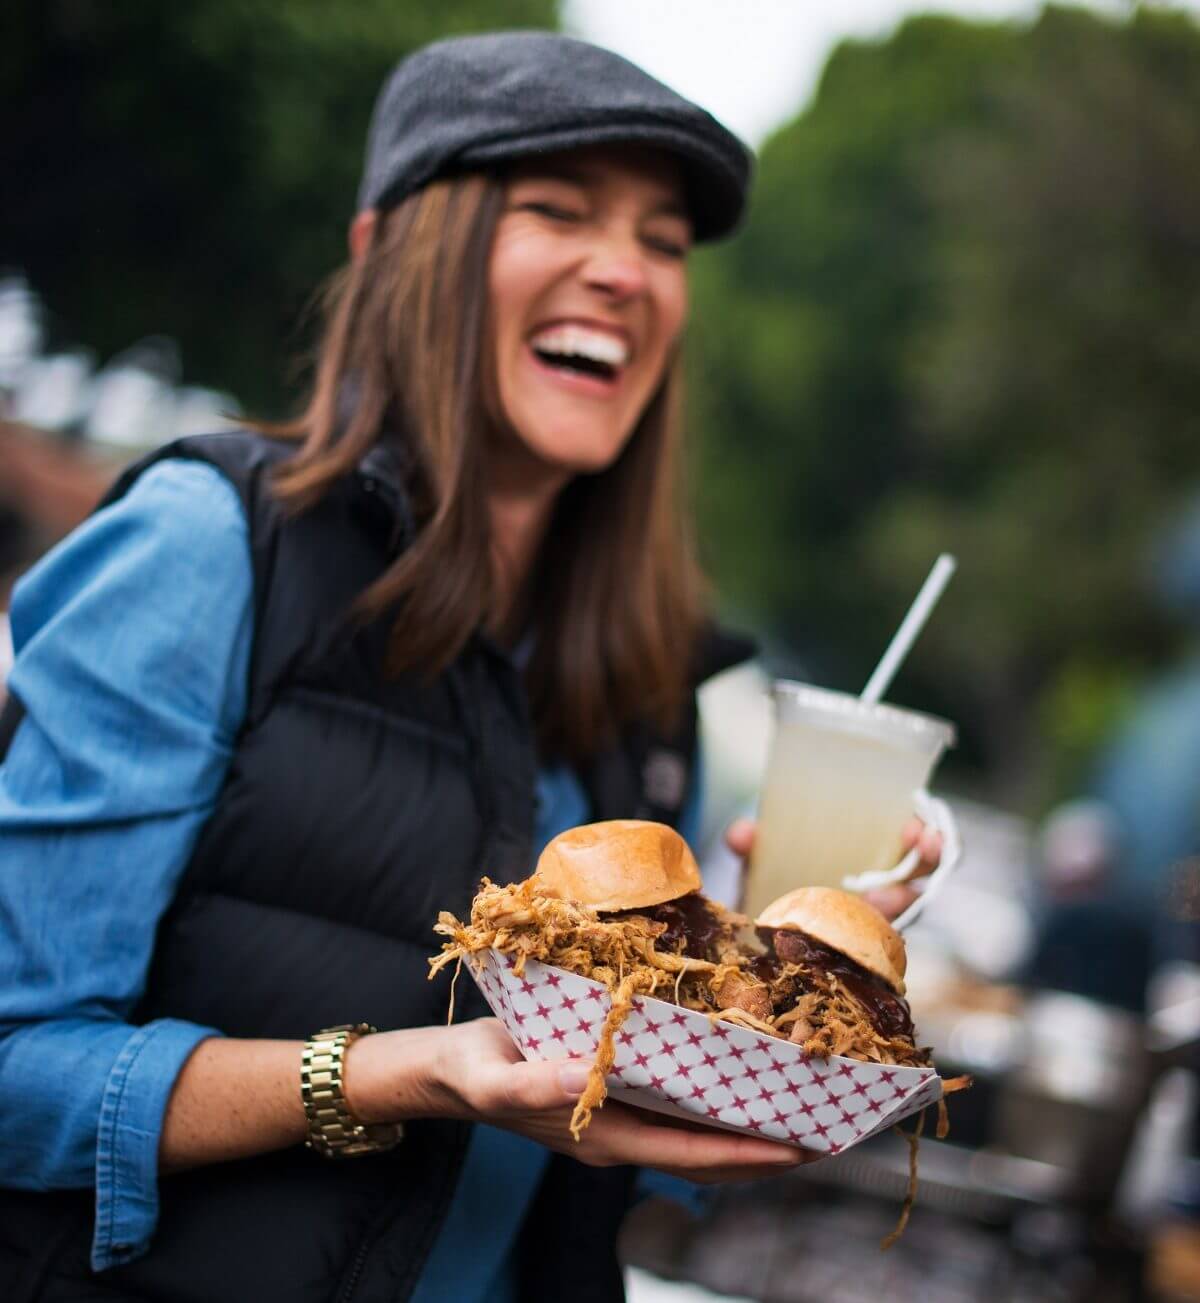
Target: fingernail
(572, 1077)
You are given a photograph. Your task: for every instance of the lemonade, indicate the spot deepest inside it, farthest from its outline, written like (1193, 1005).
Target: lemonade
(838, 789)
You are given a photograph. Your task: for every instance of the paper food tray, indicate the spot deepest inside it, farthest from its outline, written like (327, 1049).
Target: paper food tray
(677, 1061)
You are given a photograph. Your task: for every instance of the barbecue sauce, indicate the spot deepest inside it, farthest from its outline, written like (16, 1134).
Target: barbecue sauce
(692, 929)
(888, 1012)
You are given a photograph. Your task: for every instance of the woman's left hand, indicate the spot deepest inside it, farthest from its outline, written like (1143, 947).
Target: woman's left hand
(890, 901)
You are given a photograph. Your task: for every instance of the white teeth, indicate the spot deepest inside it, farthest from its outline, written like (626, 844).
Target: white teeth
(579, 341)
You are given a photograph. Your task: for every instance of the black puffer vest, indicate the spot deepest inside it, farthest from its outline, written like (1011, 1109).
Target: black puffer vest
(356, 807)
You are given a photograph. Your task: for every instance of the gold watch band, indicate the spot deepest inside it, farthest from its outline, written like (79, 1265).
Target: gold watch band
(333, 1130)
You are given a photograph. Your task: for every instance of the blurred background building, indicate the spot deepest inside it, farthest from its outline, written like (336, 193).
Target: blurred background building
(964, 316)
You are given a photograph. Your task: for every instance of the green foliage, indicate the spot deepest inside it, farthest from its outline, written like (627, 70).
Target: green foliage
(802, 323)
(963, 317)
(190, 168)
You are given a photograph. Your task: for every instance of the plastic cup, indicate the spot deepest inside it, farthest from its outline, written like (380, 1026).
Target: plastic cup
(838, 789)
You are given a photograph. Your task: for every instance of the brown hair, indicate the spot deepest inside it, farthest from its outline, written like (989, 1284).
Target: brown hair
(617, 595)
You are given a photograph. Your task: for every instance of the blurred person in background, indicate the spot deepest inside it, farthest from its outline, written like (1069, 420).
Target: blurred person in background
(289, 692)
(1080, 926)
(1148, 775)
(1110, 863)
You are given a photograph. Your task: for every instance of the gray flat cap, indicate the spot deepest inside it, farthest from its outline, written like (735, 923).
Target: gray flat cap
(481, 101)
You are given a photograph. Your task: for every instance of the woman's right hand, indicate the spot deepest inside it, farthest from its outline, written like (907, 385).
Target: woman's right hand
(474, 1072)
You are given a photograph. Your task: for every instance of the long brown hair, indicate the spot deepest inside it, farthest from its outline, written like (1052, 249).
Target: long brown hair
(405, 355)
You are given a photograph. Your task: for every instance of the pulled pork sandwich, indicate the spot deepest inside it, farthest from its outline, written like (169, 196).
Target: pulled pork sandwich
(831, 974)
(636, 873)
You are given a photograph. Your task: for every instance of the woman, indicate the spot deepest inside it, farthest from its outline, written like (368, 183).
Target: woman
(283, 701)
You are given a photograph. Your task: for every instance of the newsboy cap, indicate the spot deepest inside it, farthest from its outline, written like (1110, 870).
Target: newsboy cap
(476, 102)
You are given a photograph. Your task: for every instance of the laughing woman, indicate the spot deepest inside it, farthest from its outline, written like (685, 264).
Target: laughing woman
(289, 692)
(286, 697)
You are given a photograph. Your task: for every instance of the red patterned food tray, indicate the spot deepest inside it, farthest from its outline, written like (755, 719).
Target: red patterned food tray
(676, 1061)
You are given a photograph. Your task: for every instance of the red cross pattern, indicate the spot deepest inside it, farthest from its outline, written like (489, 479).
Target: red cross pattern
(700, 1070)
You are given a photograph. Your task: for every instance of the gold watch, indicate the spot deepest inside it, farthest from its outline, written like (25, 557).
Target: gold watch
(333, 1130)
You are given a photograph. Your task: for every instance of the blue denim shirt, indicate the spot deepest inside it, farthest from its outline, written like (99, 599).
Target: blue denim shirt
(132, 643)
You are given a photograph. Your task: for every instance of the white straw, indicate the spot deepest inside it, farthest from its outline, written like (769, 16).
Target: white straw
(913, 623)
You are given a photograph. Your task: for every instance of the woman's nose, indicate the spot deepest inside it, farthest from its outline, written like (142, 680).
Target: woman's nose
(617, 268)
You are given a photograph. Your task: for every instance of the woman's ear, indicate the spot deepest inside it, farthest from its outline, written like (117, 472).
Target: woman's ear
(362, 231)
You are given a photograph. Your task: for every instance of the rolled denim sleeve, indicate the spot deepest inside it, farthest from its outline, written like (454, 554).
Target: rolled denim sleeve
(132, 645)
(131, 1114)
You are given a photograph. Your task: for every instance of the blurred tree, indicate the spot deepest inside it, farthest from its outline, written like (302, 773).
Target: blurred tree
(190, 168)
(963, 317)
(1058, 381)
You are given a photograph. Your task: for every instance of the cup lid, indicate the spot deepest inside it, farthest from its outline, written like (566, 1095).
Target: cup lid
(845, 713)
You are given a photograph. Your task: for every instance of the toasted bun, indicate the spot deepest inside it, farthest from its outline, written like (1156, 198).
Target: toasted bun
(621, 864)
(846, 923)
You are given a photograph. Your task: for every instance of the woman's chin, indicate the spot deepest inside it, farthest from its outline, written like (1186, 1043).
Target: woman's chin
(584, 452)
(589, 461)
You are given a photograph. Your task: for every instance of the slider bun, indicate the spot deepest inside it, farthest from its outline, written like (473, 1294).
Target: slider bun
(846, 923)
(619, 864)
